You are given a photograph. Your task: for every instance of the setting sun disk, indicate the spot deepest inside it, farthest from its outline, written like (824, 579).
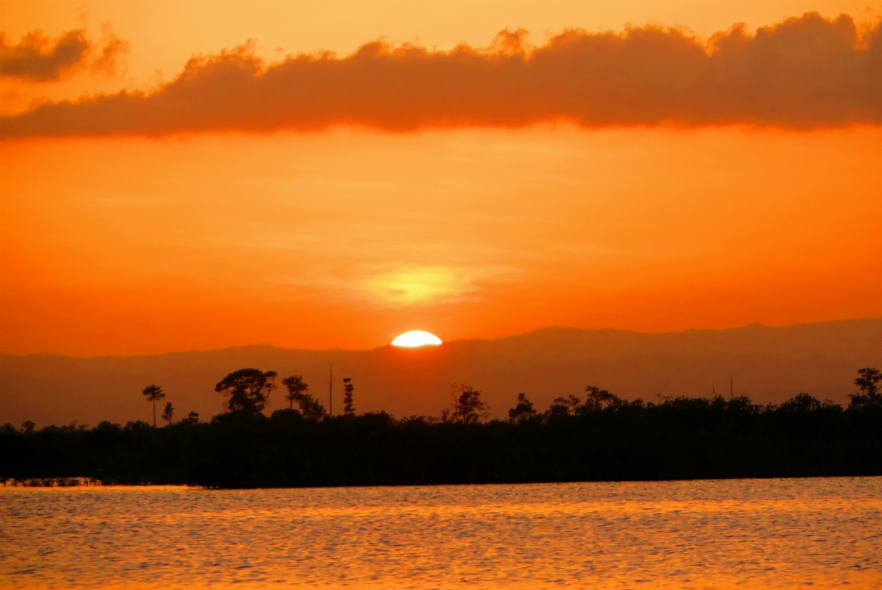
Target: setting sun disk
(416, 338)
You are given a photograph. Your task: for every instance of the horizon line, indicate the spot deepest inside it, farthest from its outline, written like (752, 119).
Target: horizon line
(445, 342)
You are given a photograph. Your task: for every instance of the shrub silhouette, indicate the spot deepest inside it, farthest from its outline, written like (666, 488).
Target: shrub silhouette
(563, 406)
(169, 413)
(311, 408)
(596, 400)
(801, 402)
(523, 411)
(467, 406)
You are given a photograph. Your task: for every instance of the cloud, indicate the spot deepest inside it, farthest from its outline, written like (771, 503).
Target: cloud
(805, 72)
(411, 284)
(108, 56)
(402, 284)
(38, 59)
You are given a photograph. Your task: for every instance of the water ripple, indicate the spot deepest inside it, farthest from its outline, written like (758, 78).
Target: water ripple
(693, 535)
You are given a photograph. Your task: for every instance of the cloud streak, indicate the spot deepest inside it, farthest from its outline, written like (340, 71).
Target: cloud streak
(805, 72)
(37, 58)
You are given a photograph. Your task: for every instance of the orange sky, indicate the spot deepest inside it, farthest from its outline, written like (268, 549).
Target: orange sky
(451, 216)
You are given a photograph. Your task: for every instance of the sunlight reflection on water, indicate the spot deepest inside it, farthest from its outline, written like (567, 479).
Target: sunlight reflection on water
(698, 534)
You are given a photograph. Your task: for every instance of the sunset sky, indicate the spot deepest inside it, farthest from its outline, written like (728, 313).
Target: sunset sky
(178, 175)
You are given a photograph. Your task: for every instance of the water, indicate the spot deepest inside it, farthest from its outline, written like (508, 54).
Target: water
(701, 534)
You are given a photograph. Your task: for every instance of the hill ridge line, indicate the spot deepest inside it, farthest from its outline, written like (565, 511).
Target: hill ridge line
(541, 329)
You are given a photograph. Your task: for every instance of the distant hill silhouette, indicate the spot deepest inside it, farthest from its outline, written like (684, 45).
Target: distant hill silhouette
(769, 364)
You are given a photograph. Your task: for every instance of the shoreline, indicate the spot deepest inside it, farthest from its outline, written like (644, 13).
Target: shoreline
(96, 484)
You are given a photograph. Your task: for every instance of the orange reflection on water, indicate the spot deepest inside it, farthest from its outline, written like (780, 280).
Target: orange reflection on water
(701, 534)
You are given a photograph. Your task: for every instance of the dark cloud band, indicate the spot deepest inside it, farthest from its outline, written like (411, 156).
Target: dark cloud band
(805, 72)
(39, 59)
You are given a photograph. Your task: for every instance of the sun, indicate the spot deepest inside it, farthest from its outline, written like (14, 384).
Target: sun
(416, 338)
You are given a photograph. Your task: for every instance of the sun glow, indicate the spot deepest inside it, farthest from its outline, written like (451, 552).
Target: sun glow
(416, 338)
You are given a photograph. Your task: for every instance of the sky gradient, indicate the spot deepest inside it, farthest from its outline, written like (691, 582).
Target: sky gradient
(169, 184)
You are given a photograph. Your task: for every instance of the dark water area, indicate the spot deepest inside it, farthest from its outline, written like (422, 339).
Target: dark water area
(769, 533)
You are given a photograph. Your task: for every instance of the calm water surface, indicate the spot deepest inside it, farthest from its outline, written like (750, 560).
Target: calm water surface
(700, 534)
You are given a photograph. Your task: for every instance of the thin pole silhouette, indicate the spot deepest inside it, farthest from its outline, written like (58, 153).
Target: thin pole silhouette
(331, 388)
(731, 388)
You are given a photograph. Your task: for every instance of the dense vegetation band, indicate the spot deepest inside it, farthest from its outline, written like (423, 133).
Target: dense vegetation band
(603, 438)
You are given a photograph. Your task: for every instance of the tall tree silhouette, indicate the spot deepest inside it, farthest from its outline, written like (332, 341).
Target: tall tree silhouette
(467, 406)
(169, 413)
(153, 393)
(348, 408)
(309, 406)
(868, 381)
(296, 388)
(523, 411)
(249, 389)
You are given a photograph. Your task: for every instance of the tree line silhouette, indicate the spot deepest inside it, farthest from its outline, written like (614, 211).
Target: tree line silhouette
(600, 437)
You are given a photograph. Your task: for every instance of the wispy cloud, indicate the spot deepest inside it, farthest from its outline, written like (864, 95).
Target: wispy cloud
(410, 285)
(112, 48)
(400, 285)
(805, 72)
